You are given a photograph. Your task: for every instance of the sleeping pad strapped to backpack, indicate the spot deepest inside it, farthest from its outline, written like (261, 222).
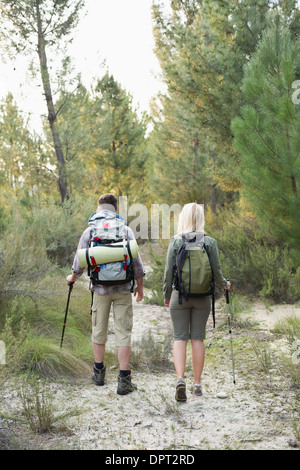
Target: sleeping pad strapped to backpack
(193, 276)
(108, 228)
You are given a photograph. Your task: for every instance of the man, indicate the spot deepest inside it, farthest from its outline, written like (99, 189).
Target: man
(118, 295)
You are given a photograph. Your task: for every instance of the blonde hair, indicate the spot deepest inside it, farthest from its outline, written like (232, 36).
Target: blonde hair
(191, 218)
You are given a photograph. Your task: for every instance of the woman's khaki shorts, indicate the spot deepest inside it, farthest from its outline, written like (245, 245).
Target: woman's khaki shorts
(189, 318)
(123, 317)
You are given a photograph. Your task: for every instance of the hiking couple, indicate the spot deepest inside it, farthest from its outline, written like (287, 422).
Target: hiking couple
(189, 317)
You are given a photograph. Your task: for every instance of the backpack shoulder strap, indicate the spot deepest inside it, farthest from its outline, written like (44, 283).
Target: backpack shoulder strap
(180, 259)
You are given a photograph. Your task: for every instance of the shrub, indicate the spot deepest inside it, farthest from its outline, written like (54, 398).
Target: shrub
(155, 278)
(62, 227)
(38, 409)
(33, 294)
(253, 261)
(151, 353)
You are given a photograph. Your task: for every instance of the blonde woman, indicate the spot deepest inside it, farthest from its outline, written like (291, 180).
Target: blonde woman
(189, 318)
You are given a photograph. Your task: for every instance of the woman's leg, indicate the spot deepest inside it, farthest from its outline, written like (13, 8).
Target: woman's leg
(198, 356)
(179, 357)
(180, 315)
(199, 316)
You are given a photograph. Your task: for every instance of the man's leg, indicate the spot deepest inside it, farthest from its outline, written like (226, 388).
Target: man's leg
(99, 351)
(124, 357)
(100, 315)
(123, 322)
(123, 318)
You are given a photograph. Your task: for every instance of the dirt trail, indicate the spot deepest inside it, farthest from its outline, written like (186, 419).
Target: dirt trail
(150, 418)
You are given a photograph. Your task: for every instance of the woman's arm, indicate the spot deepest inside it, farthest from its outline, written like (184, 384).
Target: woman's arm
(213, 253)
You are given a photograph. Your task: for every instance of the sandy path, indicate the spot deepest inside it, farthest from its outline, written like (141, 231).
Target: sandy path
(151, 419)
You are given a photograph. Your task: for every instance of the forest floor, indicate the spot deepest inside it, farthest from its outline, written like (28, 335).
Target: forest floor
(259, 412)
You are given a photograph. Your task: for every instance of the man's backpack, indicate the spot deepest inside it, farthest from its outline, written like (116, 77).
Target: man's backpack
(108, 228)
(193, 275)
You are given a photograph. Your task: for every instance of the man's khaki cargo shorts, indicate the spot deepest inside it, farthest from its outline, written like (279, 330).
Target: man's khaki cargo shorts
(122, 314)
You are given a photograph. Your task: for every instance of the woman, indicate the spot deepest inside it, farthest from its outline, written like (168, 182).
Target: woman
(190, 317)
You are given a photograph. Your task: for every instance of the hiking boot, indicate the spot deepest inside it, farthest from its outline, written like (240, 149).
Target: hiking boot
(196, 390)
(125, 386)
(180, 394)
(99, 375)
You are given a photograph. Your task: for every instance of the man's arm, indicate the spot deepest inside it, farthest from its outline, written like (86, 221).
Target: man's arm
(139, 290)
(76, 269)
(139, 272)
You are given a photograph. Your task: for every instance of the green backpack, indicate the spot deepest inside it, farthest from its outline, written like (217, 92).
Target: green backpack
(193, 273)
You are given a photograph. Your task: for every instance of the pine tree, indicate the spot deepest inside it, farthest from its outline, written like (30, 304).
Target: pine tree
(118, 134)
(203, 48)
(18, 147)
(34, 26)
(180, 156)
(267, 133)
(75, 127)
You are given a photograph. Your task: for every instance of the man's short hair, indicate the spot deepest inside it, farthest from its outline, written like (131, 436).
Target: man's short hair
(108, 199)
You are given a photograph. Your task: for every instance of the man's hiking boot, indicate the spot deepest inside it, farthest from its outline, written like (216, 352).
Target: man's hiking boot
(180, 394)
(125, 386)
(99, 375)
(196, 390)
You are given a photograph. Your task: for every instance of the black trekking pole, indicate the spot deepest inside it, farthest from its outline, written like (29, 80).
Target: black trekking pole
(229, 326)
(65, 319)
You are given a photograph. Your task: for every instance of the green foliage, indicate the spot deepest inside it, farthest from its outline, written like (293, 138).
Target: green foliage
(202, 48)
(62, 226)
(263, 355)
(20, 35)
(152, 353)
(289, 328)
(266, 134)
(255, 262)
(119, 143)
(23, 257)
(155, 277)
(18, 147)
(32, 333)
(229, 67)
(33, 296)
(31, 27)
(102, 138)
(38, 409)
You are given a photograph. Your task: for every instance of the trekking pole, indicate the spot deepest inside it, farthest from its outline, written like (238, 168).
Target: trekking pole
(229, 326)
(65, 319)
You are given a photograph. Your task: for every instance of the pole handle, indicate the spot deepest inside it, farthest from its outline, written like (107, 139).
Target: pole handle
(227, 295)
(71, 284)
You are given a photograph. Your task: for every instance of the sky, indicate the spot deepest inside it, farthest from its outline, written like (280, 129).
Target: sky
(117, 33)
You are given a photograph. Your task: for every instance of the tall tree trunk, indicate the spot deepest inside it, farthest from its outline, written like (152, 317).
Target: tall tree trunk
(62, 179)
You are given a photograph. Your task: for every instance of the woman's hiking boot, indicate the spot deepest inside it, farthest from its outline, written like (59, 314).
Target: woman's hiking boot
(196, 390)
(125, 385)
(99, 375)
(180, 394)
